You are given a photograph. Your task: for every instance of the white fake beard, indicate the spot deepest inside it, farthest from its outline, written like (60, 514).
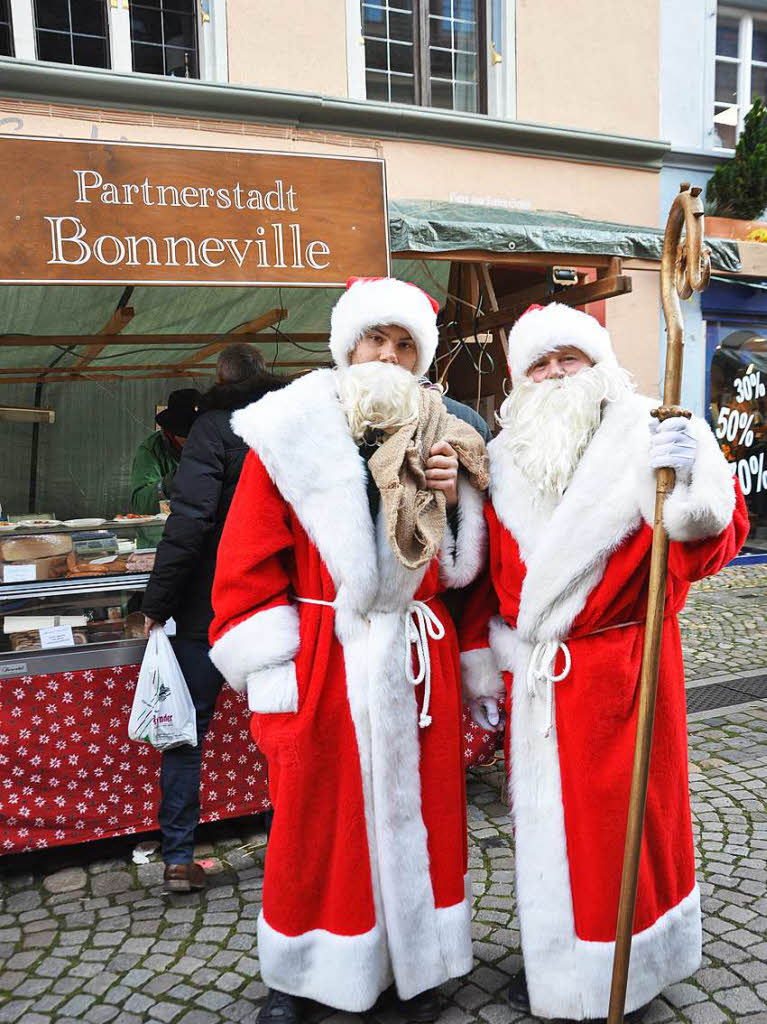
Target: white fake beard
(377, 396)
(547, 426)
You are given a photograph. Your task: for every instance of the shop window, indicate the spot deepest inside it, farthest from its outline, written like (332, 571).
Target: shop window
(164, 37)
(738, 416)
(72, 32)
(6, 29)
(426, 52)
(740, 71)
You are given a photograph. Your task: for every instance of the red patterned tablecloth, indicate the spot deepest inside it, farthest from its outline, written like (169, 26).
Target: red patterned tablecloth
(69, 773)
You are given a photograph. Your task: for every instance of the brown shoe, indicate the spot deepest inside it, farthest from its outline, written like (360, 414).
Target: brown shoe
(184, 877)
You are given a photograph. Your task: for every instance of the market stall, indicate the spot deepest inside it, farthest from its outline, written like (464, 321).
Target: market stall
(84, 366)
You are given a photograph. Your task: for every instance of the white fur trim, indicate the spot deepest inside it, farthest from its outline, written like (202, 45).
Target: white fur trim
(480, 674)
(344, 971)
(385, 301)
(349, 972)
(503, 644)
(565, 547)
(462, 557)
(703, 507)
(567, 976)
(556, 325)
(273, 690)
(302, 437)
(265, 639)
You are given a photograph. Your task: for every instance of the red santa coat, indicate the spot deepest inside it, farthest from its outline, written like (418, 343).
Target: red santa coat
(366, 871)
(577, 573)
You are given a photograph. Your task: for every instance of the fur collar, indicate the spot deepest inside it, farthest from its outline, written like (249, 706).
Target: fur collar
(565, 547)
(302, 438)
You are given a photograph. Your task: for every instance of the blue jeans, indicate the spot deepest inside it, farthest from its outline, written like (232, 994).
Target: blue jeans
(180, 776)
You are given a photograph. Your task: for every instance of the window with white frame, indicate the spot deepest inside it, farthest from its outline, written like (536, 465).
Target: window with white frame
(179, 38)
(6, 29)
(72, 32)
(740, 71)
(426, 52)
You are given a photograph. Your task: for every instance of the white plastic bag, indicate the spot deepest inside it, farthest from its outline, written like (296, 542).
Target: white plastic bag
(163, 713)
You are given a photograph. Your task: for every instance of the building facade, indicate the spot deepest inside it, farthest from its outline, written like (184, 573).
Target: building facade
(713, 64)
(544, 104)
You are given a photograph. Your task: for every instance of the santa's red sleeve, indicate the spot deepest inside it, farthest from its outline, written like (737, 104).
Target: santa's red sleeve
(480, 675)
(254, 635)
(704, 515)
(695, 559)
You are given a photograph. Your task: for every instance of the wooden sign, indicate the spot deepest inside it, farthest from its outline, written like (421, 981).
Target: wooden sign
(82, 212)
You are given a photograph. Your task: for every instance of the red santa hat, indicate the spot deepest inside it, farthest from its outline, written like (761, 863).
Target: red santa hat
(370, 301)
(543, 329)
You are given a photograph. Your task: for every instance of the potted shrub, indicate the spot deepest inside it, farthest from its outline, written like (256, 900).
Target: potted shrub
(736, 194)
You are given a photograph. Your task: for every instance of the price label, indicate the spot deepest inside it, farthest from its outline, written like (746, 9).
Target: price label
(19, 573)
(56, 636)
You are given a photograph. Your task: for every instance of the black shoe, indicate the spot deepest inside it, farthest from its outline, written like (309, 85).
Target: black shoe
(423, 1008)
(279, 1008)
(516, 993)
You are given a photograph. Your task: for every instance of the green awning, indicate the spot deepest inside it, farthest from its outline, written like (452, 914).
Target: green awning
(430, 227)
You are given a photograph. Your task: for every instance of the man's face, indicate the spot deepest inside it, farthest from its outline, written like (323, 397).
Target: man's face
(386, 343)
(561, 362)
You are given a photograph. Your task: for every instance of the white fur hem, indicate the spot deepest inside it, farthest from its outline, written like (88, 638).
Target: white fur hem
(461, 558)
(273, 690)
(265, 639)
(663, 954)
(347, 972)
(567, 976)
(480, 674)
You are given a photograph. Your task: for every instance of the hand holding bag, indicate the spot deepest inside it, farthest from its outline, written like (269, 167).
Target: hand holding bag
(163, 713)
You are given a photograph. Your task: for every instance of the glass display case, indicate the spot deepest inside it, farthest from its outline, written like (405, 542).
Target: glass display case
(74, 584)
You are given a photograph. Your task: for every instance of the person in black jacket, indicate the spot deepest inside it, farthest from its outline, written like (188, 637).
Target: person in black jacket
(181, 582)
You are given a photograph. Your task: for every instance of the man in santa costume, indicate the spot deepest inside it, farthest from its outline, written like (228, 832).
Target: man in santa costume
(572, 493)
(339, 646)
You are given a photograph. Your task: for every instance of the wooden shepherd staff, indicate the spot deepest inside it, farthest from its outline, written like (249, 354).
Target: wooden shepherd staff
(684, 269)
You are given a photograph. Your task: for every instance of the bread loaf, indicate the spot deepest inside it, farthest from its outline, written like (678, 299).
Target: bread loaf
(29, 549)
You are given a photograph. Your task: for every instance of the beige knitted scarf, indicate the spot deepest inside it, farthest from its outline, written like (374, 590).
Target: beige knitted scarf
(415, 516)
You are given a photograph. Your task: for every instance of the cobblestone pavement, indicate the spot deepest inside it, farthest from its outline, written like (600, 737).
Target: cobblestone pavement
(724, 624)
(89, 939)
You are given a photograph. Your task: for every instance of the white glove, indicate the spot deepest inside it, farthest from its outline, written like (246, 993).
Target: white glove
(673, 445)
(486, 713)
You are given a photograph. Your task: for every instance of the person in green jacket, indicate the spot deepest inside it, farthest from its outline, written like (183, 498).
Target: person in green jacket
(158, 456)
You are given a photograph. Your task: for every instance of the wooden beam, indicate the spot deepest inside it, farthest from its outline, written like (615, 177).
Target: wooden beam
(85, 375)
(274, 316)
(580, 295)
(117, 322)
(128, 368)
(500, 348)
(141, 340)
(528, 259)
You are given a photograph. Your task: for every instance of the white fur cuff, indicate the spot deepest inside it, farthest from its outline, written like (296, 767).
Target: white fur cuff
(504, 643)
(461, 558)
(267, 638)
(702, 507)
(480, 674)
(273, 690)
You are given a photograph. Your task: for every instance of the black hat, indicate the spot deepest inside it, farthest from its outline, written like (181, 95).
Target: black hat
(183, 406)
